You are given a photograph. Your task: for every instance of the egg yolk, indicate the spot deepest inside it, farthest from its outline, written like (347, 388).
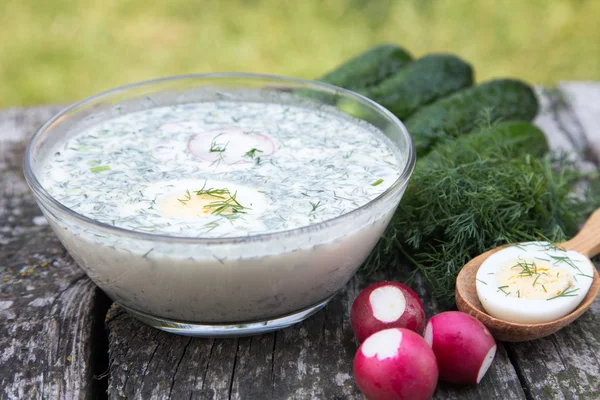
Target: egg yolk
(529, 280)
(188, 205)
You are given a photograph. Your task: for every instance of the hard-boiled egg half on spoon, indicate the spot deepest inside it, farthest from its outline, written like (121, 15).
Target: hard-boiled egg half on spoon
(533, 282)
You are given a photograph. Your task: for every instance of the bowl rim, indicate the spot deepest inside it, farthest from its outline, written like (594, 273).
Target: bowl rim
(46, 198)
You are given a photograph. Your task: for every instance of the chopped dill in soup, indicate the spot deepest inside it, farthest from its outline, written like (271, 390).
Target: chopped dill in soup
(222, 169)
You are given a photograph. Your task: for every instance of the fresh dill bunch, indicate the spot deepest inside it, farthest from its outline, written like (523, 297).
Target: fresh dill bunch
(476, 193)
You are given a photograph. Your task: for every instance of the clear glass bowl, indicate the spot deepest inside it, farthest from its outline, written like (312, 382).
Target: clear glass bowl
(229, 286)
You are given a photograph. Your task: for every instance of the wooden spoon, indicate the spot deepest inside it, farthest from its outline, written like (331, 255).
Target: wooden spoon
(587, 242)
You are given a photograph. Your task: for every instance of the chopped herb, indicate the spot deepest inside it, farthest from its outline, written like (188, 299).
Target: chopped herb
(217, 147)
(527, 268)
(314, 207)
(148, 252)
(252, 153)
(565, 293)
(187, 198)
(221, 260)
(536, 278)
(218, 160)
(79, 148)
(481, 281)
(228, 206)
(501, 289)
(211, 225)
(219, 193)
(100, 169)
(567, 260)
(544, 287)
(377, 182)
(587, 276)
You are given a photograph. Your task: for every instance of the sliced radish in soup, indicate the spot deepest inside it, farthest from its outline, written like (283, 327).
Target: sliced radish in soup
(231, 146)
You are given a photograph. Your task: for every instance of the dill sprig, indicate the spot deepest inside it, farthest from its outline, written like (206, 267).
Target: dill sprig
(476, 193)
(186, 198)
(218, 193)
(527, 268)
(217, 147)
(564, 259)
(100, 169)
(217, 160)
(565, 293)
(501, 289)
(252, 153)
(314, 206)
(210, 226)
(227, 207)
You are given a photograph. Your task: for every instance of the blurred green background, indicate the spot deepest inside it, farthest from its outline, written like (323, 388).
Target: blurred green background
(55, 51)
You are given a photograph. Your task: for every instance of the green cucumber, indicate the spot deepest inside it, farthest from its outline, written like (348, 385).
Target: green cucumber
(496, 100)
(368, 68)
(420, 83)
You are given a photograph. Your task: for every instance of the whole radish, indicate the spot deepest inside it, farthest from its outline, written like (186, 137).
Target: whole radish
(463, 346)
(386, 305)
(395, 364)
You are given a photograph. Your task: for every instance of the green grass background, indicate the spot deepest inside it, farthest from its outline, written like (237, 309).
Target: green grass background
(55, 51)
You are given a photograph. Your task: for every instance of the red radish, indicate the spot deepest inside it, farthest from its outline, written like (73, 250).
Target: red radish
(395, 364)
(386, 305)
(230, 146)
(463, 346)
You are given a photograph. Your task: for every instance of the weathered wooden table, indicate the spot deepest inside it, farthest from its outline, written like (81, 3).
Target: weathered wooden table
(60, 338)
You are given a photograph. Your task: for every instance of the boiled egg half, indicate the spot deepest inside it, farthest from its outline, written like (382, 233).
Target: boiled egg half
(533, 282)
(216, 206)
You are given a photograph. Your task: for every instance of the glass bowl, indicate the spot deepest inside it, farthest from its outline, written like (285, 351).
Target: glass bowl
(219, 286)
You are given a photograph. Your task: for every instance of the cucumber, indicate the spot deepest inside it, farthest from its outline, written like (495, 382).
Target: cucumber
(368, 68)
(514, 137)
(500, 99)
(420, 83)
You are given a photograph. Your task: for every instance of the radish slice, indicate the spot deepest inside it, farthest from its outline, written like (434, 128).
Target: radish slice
(463, 346)
(230, 146)
(386, 305)
(395, 363)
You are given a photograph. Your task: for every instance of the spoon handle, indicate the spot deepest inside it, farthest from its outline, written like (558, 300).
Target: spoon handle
(587, 241)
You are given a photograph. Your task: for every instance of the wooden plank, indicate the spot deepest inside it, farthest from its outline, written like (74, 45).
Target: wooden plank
(310, 360)
(584, 101)
(565, 365)
(50, 313)
(297, 362)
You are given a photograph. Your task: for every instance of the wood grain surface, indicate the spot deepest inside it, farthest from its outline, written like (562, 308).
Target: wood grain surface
(61, 339)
